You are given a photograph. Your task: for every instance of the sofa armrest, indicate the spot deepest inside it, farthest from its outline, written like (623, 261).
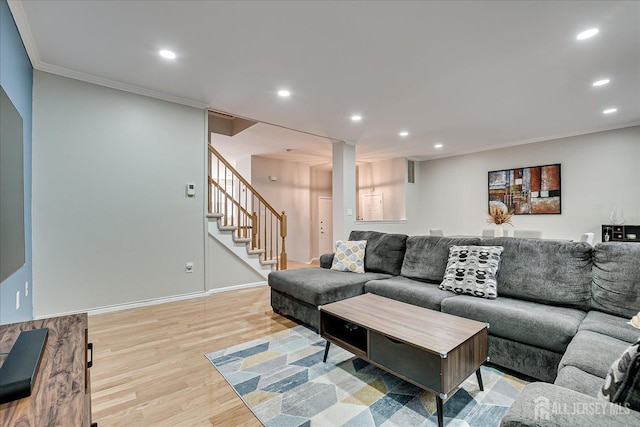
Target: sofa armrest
(549, 405)
(326, 260)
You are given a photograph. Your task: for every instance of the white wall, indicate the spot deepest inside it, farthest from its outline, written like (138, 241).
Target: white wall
(598, 171)
(389, 178)
(243, 166)
(111, 222)
(290, 193)
(228, 269)
(407, 194)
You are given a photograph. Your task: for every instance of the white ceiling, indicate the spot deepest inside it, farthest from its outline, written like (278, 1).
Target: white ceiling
(473, 75)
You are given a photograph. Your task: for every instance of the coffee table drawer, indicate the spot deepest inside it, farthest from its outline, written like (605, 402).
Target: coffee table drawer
(411, 362)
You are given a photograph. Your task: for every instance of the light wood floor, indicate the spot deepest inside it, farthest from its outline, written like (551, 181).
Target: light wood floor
(297, 264)
(149, 365)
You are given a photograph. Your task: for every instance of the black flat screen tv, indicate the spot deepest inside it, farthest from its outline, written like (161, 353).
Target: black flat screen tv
(12, 252)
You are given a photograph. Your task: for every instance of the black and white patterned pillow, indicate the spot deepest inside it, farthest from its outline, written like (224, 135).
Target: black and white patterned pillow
(472, 270)
(622, 384)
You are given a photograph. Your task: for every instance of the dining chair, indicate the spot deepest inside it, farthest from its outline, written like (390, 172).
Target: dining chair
(587, 237)
(531, 234)
(488, 232)
(491, 232)
(436, 232)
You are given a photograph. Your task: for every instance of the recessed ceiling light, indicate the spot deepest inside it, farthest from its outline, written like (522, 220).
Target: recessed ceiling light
(284, 93)
(600, 82)
(404, 133)
(167, 54)
(609, 111)
(438, 145)
(587, 34)
(356, 118)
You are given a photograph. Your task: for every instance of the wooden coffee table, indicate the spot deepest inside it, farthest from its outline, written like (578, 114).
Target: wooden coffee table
(433, 350)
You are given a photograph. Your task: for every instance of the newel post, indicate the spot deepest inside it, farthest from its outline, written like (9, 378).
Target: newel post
(254, 231)
(283, 234)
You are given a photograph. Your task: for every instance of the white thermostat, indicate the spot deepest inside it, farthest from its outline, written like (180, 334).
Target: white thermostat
(191, 189)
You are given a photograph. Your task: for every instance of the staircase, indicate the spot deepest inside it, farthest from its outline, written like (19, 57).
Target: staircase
(240, 246)
(242, 220)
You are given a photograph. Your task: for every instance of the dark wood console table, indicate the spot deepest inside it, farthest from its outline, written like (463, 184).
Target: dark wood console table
(61, 393)
(621, 233)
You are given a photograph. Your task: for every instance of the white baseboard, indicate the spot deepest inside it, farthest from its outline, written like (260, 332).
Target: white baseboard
(236, 287)
(156, 301)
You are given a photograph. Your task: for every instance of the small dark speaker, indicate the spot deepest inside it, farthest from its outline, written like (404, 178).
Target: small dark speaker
(18, 372)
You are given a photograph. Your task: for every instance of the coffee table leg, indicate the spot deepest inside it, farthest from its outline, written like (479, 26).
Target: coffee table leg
(326, 352)
(479, 376)
(439, 409)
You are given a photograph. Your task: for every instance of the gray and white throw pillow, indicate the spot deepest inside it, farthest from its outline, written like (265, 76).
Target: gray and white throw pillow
(622, 383)
(472, 270)
(349, 256)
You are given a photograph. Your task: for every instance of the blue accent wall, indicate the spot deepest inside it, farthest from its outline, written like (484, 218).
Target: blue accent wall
(16, 78)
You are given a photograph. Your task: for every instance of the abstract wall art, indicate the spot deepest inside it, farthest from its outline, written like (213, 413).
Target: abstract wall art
(527, 191)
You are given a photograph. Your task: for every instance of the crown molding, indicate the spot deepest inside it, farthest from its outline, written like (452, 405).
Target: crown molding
(552, 137)
(89, 78)
(27, 39)
(15, 6)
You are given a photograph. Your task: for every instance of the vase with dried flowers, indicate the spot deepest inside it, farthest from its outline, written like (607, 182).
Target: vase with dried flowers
(499, 215)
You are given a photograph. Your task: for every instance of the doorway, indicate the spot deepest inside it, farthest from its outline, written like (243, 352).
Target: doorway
(372, 206)
(325, 225)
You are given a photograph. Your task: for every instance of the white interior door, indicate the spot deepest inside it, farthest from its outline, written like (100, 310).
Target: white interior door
(373, 207)
(325, 226)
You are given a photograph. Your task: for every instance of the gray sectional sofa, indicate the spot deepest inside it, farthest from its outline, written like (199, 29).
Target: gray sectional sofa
(560, 316)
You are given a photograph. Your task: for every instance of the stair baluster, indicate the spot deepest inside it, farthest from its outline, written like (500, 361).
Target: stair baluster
(252, 219)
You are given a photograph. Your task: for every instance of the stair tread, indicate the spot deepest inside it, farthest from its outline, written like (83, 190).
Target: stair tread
(215, 215)
(242, 239)
(268, 262)
(227, 228)
(255, 251)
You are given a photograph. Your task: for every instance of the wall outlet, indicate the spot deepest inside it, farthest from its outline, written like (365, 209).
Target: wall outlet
(188, 267)
(26, 289)
(18, 300)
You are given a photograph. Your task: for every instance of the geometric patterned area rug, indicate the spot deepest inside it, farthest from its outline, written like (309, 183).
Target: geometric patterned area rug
(283, 381)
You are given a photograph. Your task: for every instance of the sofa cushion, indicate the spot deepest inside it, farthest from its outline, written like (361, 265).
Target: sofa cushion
(384, 253)
(616, 278)
(349, 256)
(526, 322)
(546, 271)
(622, 384)
(549, 405)
(533, 361)
(326, 260)
(608, 324)
(426, 256)
(472, 270)
(576, 379)
(318, 285)
(410, 291)
(592, 352)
